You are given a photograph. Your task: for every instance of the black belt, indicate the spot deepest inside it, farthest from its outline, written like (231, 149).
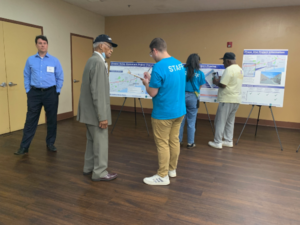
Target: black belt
(42, 89)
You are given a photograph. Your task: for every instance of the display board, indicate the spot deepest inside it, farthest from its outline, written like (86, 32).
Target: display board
(123, 83)
(263, 83)
(264, 77)
(209, 91)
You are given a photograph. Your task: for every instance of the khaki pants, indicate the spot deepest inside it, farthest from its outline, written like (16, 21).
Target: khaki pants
(224, 121)
(166, 133)
(96, 153)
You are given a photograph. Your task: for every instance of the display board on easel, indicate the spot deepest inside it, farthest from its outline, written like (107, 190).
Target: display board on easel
(124, 80)
(264, 77)
(264, 81)
(263, 84)
(209, 91)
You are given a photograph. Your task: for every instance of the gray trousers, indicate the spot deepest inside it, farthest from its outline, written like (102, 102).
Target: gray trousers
(96, 153)
(224, 121)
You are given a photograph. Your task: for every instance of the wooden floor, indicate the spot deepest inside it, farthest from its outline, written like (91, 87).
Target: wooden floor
(253, 183)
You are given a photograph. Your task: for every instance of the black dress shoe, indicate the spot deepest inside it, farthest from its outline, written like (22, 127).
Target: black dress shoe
(108, 177)
(51, 148)
(87, 173)
(21, 151)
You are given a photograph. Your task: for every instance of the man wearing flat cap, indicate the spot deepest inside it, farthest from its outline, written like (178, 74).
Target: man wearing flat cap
(229, 98)
(94, 109)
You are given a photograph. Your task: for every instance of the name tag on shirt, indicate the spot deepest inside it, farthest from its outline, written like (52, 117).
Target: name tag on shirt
(50, 69)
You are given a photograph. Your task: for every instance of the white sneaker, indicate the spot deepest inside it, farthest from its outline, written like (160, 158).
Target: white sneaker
(157, 180)
(215, 145)
(227, 144)
(172, 173)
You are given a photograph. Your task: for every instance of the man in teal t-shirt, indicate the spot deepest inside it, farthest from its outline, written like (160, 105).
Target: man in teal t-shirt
(166, 86)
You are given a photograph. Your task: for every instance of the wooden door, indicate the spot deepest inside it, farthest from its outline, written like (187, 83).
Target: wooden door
(4, 116)
(82, 49)
(19, 45)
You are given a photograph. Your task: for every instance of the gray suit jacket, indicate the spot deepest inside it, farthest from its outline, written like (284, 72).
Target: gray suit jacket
(94, 101)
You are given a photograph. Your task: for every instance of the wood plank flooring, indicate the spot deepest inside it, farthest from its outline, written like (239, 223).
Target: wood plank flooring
(253, 183)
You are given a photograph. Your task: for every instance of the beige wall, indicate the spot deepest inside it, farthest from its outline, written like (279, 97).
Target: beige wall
(207, 33)
(58, 19)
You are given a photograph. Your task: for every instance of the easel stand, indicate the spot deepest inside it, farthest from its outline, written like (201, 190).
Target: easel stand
(212, 127)
(134, 114)
(257, 124)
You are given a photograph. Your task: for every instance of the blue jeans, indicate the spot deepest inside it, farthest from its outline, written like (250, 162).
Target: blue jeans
(191, 115)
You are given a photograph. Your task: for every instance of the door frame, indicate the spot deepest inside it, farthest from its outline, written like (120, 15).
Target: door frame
(28, 25)
(82, 36)
(22, 23)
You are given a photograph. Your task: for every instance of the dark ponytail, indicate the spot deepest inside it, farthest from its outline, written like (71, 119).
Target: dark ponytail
(192, 64)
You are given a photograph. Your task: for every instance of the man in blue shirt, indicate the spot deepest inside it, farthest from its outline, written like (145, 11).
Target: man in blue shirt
(166, 86)
(43, 80)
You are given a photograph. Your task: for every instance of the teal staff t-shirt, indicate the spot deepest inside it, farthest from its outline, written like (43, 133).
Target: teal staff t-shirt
(198, 80)
(169, 76)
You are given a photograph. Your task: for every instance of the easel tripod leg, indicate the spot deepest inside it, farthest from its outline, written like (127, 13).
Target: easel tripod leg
(118, 115)
(276, 127)
(244, 125)
(257, 119)
(135, 111)
(212, 127)
(144, 116)
(298, 148)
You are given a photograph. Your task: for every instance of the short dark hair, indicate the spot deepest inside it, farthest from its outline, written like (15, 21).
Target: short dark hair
(159, 44)
(44, 38)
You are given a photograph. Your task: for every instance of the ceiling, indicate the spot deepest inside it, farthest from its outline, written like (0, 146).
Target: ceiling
(139, 7)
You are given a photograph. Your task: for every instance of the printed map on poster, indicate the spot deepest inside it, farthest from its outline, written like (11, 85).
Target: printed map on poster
(264, 77)
(123, 84)
(263, 83)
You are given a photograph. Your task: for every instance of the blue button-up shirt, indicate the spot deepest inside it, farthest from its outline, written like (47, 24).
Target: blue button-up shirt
(43, 72)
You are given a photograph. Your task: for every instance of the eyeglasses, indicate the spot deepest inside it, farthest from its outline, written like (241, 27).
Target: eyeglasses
(151, 53)
(110, 47)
